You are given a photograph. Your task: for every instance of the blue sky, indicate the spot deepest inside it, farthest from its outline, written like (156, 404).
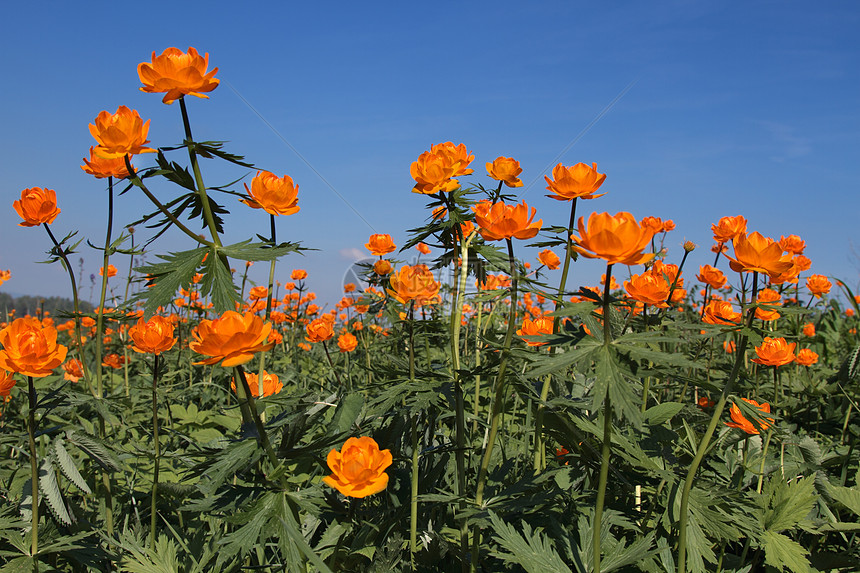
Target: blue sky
(732, 108)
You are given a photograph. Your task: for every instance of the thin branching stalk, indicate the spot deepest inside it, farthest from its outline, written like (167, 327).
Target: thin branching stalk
(198, 177)
(539, 454)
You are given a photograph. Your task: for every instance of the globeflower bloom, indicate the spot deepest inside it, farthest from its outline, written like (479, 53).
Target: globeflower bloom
(271, 384)
(111, 271)
(649, 288)
(319, 330)
(755, 252)
(299, 274)
(507, 170)
(739, 421)
(435, 169)
(382, 267)
(7, 382)
(809, 329)
(232, 339)
(792, 244)
(721, 312)
(176, 73)
(413, 283)
(120, 134)
(380, 244)
(538, 327)
(103, 167)
(549, 259)
(774, 352)
(818, 285)
(73, 370)
(711, 276)
(347, 342)
(613, 238)
(153, 336)
(500, 221)
(275, 195)
(728, 228)
(806, 357)
(29, 348)
(36, 206)
(576, 181)
(358, 470)
(771, 298)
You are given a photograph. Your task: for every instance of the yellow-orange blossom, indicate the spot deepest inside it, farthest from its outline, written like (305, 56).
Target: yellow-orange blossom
(233, 338)
(614, 238)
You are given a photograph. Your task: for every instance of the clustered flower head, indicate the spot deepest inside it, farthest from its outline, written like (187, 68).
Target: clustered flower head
(176, 73)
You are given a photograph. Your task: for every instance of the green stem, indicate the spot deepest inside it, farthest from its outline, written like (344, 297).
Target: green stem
(262, 437)
(498, 400)
(198, 177)
(262, 366)
(706, 439)
(101, 309)
(157, 454)
(413, 500)
(539, 454)
(34, 466)
(607, 435)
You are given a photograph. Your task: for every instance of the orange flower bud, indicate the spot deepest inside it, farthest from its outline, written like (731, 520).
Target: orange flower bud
(809, 329)
(576, 181)
(29, 348)
(423, 249)
(382, 267)
(153, 336)
(176, 74)
(505, 169)
(299, 274)
(275, 195)
(36, 206)
(358, 470)
(380, 244)
(120, 134)
(111, 271)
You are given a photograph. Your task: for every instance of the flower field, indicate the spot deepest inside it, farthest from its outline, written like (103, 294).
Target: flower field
(668, 419)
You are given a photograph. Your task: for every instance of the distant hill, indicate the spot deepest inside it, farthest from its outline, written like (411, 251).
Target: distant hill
(33, 305)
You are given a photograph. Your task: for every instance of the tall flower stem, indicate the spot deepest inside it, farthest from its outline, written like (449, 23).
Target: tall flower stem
(539, 457)
(709, 433)
(34, 466)
(198, 177)
(101, 309)
(498, 401)
(605, 450)
(75, 301)
(331, 363)
(413, 500)
(268, 309)
(250, 404)
(157, 454)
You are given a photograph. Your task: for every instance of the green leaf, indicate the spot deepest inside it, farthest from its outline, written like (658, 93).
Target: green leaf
(782, 552)
(656, 415)
(847, 496)
(67, 465)
(531, 550)
(95, 449)
(787, 504)
(248, 251)
(553, 362)
(347, 412)
(218, 282)
(176, 272)
(49, 488)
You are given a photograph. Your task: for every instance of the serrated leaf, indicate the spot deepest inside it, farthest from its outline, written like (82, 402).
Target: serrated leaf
(531, 550)
(51, 491)
(94, 449)
(248, 251)
(218, 282)
(782, 552)
(787, 504)
(656, 415)
(849, 497)
(67, 465)
(176, 272)
(553, 362)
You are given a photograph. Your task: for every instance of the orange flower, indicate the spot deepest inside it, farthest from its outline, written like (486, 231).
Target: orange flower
(809, 329)
(705, 402)
(5, 276)
(500, 221)
(120, 134)
(456, 156)
(537, 327)
(653, 224)
(729, 346)
(771, 298)
(7, 382)
(414, 283)
(29, 348)
(36, 206)
(114, 361)
(739, 421)
(102, 167)
(153, 336)
(271, 384)
(721, 312)
(358, 470)
(803, 263)
(258, 292)
(111, 271)
(176, 74)
(728, 228)
(274, 195)
(818, 285)
(435, 169)
(423, 249)
(549, 259)
(649, 288)
(755, 252)
(382, 267)
(576, 181)
(232, 338)
(319, 329)
(380, 244)
(711, 276)
(774, 352)
(613, 238)
(505, 169)
(73, 370)
(792, 244)
(806, 357)
(347, 342)
(299, 274)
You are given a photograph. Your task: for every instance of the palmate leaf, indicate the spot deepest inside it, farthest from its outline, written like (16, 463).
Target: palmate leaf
(218, 282)
(787, 504)
(531, 550)
(546, 363)
(248, 251)
(781, 552)
(847, 496)
(176, 272)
